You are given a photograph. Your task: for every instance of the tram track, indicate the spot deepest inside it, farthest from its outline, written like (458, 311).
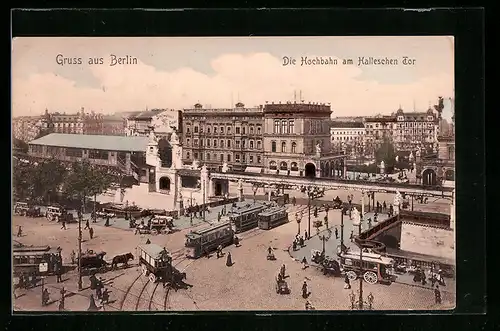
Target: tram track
(127, 292)
(139, 297)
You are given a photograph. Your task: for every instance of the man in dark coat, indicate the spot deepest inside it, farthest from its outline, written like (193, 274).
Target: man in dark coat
(229, 261)
(92, 306)
(63, 225)
(91, 233)
(19, 231)
(437, 295)
(347, 282)
(58, 267)
(336, 233)
(87, 225)
(304, 290)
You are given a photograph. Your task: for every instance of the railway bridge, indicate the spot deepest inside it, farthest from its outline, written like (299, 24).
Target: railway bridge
(218, 184)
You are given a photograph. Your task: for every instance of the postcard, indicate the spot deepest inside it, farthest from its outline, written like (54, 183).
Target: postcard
(233, 174)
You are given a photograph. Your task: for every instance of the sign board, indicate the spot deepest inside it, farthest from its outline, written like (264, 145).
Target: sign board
(43, 267)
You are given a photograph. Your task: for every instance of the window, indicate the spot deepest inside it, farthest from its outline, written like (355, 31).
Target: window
(294, 167)
(215, 129)
(74, 152)
(251, 144)
(272, 165)
(243, 159)
(208, 156)
(250, 158)
(228, 130)
(215, 143)
(195, 156)
(259, 160)
(237, 157)
(98, 154)
(201, 129)
(238, 129)
(273, 146)
(188, 141)
(294, 147)
(228, 157)
(222, 129)
(222, 143)
(291, 126)
(208, 130)
(208, 142)
(276, 126)
(283, 126)
(237, 144)
(229, 144)
(243, 144)
(283, 166)
(188, 129)
(222, 157)
(259, 144)
(195, 129)
(258, 129)
(188, 155)
(283, 147)
(251, 129)
(195, 142)
(201, 156)
(243, 130)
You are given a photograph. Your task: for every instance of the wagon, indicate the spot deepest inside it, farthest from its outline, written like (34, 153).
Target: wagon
(159, 223)
(142, 229)
(58, 214)
(93, 262)
(155, 261)
(282, 287)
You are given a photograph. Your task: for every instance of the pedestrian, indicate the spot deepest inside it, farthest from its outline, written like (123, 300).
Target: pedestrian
(424, 279)
(384, 206)
(301, 241)
(63, 225)
(58, 272)
(283, 271)
(336, 233)
(351, 237)
(304, 263)
(99, 287)
(294, 245)
(375, 218)
(306, 235)
(294, 201)
(45, 297)
(347, 282)
(73, 257)
(61, 302)
(437, 295)
(91, 233)
(305, 293)
(87, 225)
(107, 221)
(269, 250)
(148, 242)
(219, 251)
(92, 305)
(19, 231)
(229, 261)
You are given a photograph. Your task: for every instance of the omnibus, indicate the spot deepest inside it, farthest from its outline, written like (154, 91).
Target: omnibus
(28, 259)
(272, 218)
(246, 217)
(375, 268)
(203, 241)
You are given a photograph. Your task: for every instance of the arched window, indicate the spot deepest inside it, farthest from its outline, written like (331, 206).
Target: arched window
(215, 142)
(251, 144)
(294, 167)
(276, 126)
(294, 147)
(222, 143)
(283, 147)
(291, 126)
(259, 144)
(208, 156)
(272, 165)
(273, 146)
(283, 166)
(283, 126)
(222, 157)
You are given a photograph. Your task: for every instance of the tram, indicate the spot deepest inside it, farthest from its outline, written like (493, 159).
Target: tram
(156, 263)
(374, 268)
(205, 240)
(246, 217)
(272, 218)
(28, 259)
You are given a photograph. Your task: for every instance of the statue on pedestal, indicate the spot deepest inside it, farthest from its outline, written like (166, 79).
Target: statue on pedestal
(152, 137)
(240, 184)
(174, 138)
(195, 165)
(225, 167)
(318, 148)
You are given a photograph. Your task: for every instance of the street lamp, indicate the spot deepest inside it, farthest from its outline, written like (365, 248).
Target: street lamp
(312, 193)
(80, 285)
(255, 188)
(324, 237)
(356, 221)
(298, 218)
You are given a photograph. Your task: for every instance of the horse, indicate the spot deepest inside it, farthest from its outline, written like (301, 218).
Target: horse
(124, 258)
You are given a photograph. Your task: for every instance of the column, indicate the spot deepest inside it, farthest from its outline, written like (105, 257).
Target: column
(269, 195)
(128, 167)
(344, 173)
(210, 187)
(362, 204)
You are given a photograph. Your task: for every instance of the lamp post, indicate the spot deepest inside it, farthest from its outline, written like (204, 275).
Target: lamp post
(255, 188)
(80, 285)
(324, 237)
(356, 221)
(298, 219)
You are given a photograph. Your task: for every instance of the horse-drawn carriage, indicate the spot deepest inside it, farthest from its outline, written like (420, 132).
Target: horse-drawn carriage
(156, 264)
(93, 262)
(337, 203)
(58, 214)
(282, 286)
(317, 223)
(329, 265)
(24, 209)
(160, 223)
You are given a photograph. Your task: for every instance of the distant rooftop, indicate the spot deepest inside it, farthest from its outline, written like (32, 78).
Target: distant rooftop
(146, 115)
(101, 142)
(337, 124)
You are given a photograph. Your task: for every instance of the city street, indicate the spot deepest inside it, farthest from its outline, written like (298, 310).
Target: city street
(247, 285)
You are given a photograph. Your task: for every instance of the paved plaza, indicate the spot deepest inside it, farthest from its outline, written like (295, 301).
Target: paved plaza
(247, 285)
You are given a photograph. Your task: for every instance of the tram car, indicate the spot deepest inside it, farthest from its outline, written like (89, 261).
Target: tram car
(156, 264)
(272, 218)
(246, 217)
(28, 259)
(204, 241)
(374, 268)
(160, 223)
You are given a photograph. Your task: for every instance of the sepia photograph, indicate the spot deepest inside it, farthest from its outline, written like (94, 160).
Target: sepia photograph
(185, 174)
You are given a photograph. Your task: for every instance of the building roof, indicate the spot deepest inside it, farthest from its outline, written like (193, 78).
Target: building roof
(153, 250)
(147, 115)
(347, 125)
(101, 142)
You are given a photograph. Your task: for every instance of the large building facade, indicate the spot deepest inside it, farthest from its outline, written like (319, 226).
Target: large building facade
(161, 121)
(415, 129)
(224, 135)
(297, 141)
(348, 136)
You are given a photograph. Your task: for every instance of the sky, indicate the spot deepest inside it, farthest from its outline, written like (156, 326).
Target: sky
(218, 72)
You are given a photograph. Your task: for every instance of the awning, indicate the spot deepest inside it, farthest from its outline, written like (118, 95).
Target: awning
(254, 170)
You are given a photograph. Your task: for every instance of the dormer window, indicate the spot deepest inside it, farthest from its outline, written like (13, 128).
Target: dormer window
(401, 118)
(430, 118)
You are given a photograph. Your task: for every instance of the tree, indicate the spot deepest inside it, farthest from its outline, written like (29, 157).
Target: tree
(386, 153)
(85, 180)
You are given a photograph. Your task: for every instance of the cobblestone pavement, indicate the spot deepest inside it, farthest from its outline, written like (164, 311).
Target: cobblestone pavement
(247, 285)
